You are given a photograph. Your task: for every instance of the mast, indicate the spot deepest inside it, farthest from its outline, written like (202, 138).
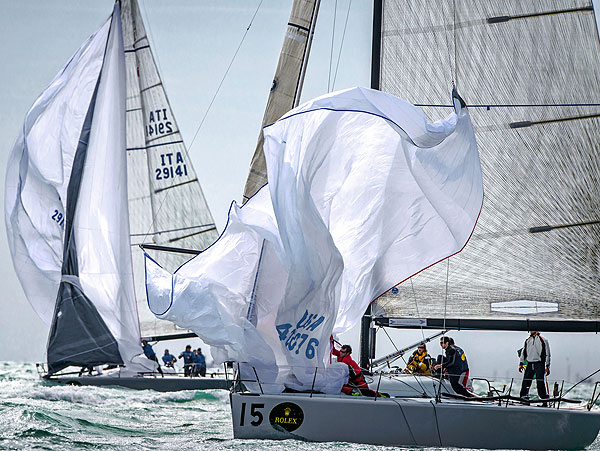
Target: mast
(287, 83)
(366, 342)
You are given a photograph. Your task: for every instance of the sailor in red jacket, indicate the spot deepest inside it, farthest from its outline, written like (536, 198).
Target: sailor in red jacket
(356, 379)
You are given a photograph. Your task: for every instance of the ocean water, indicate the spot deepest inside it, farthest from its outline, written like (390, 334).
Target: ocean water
(39, 415)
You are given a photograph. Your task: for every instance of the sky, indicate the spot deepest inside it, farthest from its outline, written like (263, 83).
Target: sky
(194, 42)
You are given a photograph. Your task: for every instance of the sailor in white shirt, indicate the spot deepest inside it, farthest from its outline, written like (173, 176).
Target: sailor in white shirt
(536, 351)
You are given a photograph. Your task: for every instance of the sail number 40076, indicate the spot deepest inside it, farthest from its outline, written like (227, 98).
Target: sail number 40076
(294, 340)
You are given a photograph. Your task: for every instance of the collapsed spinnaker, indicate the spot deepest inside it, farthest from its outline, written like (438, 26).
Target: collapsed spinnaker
(66, 208)
(363, 193)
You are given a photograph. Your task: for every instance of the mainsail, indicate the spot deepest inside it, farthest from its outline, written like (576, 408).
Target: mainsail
(530, 73)
(166, 203)
(287, 82)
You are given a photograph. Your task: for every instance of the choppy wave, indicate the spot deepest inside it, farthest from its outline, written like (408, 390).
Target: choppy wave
(35, 414)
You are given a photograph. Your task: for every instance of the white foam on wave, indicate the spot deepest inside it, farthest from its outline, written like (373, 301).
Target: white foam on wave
(79, 395)
(152, 397)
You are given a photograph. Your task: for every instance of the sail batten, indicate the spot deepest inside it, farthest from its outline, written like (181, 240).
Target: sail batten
(529, 72)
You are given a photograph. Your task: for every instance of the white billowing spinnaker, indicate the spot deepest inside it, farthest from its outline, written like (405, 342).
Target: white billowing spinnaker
(363, 193)
(38, 177)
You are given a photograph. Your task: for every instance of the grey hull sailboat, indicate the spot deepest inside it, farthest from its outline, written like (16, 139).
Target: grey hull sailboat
(530, 75)
(312, 256)
(80, 202)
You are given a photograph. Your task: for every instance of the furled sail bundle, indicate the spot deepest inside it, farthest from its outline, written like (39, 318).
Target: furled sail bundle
(530, 71)
(363, 192)
(67, 178)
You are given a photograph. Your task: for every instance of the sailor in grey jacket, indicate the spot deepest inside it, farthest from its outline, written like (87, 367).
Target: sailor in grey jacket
(536, 351)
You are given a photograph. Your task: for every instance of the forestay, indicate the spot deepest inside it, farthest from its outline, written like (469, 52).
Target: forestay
(66, 208)
(166, 202)
(537, 66)
(362, 193)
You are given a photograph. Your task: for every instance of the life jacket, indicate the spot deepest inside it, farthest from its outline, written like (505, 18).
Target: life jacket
(420, 364)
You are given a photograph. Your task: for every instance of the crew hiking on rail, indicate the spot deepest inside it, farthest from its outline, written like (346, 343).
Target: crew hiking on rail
(356, 385)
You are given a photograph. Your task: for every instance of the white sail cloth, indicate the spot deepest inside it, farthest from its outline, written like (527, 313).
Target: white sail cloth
(37, 180)
(363, 193)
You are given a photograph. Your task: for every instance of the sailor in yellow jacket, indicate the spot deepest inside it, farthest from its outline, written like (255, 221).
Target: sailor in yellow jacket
(419, 362)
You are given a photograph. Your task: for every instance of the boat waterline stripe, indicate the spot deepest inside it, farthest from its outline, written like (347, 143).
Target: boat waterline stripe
(174, 230)
(155, 145)
(174, 186)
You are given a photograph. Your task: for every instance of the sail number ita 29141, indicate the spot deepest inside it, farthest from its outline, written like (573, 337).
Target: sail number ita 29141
(171, 165)
(298, 339)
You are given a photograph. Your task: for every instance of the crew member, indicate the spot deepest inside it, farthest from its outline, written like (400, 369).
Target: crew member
(454, 365)
(420, 361)
(169, 359)
(150, 354)
(188, 360)
(356, 379)
(536, 351)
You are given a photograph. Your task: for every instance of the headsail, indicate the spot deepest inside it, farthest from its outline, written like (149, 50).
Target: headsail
(287, 82)
(537, 66)
(166, 203)
(67, 171)
(362, 192)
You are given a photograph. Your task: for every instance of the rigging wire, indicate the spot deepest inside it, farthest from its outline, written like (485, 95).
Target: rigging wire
(154, 216)
(332, 44)
(150, 38)
(412, 285)
(225, 75)
(439, 393)
(337, 65)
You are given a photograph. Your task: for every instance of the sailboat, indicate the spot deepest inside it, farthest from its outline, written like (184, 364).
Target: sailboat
(531, 262)
(99, 169)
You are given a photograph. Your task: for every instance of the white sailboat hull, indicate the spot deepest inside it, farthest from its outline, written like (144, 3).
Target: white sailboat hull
(410, 422)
